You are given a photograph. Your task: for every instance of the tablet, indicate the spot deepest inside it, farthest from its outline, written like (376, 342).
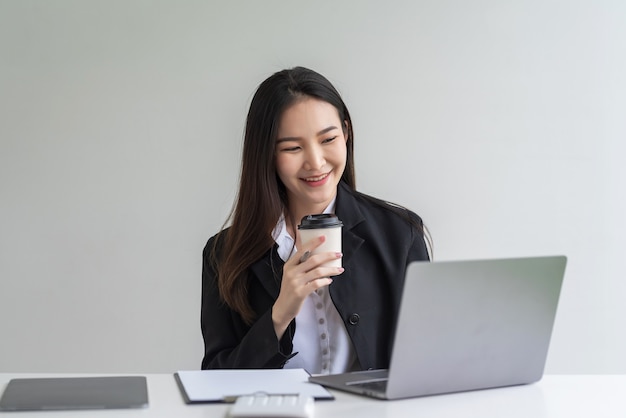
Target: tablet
(67, 393)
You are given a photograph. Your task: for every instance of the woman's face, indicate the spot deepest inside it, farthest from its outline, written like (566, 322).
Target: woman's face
(310, 155)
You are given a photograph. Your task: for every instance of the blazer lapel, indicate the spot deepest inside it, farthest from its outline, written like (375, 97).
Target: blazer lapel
(348, 211)
(269, 271)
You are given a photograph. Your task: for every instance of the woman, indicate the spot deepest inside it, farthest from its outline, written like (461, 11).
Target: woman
(264, 305)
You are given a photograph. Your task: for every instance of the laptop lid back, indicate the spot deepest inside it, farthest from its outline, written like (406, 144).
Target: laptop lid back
(466, 325)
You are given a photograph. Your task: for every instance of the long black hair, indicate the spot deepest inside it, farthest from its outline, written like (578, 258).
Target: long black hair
(262, 197)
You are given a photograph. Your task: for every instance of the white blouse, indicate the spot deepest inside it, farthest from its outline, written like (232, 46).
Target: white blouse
(321, 339)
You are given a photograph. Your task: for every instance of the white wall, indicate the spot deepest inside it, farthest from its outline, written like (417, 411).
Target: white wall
(501, 122)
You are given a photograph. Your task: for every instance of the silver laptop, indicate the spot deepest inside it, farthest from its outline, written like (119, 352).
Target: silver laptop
(466, 325)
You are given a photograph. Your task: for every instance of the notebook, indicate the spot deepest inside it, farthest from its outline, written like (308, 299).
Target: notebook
(68, 393)
(226, 385)
(466, 325)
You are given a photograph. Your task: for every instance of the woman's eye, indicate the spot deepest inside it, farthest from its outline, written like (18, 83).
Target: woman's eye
(290, 149)
(329, 140)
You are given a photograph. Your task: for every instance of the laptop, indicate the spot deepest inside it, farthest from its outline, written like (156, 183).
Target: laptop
(466, 325)
(69, 393)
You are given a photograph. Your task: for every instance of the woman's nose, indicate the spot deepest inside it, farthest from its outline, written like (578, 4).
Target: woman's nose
(314, 159)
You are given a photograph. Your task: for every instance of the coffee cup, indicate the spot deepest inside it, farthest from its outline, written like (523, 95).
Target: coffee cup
(327, 224)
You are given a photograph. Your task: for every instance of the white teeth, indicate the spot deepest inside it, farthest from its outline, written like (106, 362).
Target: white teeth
(323, 176)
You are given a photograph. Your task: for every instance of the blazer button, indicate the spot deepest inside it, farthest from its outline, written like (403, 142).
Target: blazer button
(354, 319)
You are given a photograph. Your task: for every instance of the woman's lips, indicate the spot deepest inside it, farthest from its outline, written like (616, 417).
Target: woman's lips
(316, 180)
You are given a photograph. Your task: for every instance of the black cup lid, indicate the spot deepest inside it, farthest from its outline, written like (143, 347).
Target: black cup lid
(321, 220)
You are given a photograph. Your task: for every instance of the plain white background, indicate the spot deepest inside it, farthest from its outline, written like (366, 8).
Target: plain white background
(502, 123)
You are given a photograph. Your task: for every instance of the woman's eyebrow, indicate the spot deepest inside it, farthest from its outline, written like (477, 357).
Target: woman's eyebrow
(293, 138)
(325, 130)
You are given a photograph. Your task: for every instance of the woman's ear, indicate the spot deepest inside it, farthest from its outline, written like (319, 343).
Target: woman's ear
(346, 130)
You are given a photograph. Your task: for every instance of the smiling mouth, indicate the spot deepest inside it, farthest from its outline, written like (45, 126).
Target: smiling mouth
(317, 178)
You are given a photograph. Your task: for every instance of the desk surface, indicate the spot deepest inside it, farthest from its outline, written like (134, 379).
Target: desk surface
(555, 396)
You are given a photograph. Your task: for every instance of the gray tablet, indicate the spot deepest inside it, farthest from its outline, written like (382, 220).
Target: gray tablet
(66, 393)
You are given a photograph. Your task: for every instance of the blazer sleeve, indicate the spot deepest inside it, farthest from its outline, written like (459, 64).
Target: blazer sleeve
(228, 341)
(419, 249)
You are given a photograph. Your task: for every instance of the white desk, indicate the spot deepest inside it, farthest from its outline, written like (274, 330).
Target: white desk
(555, 396)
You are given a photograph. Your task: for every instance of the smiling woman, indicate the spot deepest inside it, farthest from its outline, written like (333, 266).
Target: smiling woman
(310, 157)
(298, 160)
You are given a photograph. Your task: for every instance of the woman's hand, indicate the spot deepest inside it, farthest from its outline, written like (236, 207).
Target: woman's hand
(299, 280)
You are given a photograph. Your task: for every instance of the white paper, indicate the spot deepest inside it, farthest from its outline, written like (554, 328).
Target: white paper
(220, 385)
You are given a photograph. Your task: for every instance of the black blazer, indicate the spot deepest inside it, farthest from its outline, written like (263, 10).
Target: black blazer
(378, 242)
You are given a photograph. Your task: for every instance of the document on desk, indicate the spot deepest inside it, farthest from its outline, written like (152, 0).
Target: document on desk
(198, 386)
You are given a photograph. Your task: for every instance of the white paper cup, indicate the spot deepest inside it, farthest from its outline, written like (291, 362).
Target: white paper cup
(312, 226)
